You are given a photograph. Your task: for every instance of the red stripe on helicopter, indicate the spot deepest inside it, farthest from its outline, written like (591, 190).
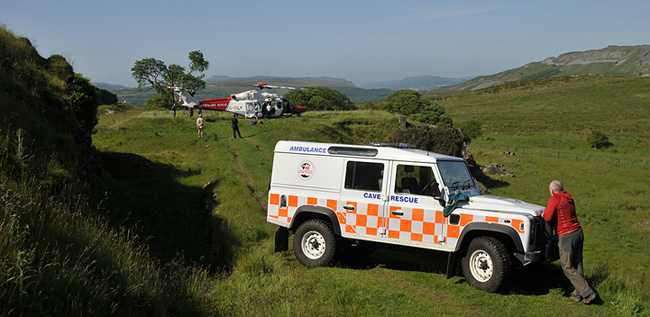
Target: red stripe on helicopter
(215, 104)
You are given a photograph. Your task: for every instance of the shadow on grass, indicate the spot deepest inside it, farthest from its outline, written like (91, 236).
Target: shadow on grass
(173, 219)
(534, 280)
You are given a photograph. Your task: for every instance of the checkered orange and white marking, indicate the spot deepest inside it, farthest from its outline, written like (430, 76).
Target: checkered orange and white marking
(416, 225)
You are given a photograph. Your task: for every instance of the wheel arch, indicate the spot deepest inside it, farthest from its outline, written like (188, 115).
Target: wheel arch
(506, 234)
(305, 213)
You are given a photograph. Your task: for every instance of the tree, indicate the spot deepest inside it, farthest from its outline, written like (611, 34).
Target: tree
(406, 102)
(471, 130)
(84, 103)
(409, 103)
(320, 98)
(598, 139)
(153, 73)
(443, 139)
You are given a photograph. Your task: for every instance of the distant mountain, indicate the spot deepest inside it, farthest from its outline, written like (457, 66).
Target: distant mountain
(110, 87)
(613, 60)
(415, 83)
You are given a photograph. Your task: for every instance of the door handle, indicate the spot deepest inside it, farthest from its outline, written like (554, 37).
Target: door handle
(348, 207)
(397, 213)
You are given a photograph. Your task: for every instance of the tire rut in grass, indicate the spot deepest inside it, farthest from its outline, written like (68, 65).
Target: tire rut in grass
(259, 196)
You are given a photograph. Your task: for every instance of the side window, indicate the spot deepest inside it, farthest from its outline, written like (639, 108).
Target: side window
(364, 176)
(416, 180)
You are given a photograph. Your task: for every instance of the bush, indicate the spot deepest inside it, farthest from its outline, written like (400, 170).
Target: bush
(471, 130)
(409, 103)
(444, 140)
(406, 102)
(157, 102)
(597, 139)
(319, 98)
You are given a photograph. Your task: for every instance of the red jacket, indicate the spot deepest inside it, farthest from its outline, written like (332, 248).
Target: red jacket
(562, 208)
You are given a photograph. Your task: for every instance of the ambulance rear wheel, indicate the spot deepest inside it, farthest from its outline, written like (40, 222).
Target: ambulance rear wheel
(486, 264)
(314, 243)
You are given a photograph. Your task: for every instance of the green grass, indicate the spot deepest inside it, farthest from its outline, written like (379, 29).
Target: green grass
(249, 278)
(177, 225)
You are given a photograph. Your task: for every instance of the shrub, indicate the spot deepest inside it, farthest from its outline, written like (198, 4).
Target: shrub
(597, 139)
(406, 102)
(444, 140)
(471, 130)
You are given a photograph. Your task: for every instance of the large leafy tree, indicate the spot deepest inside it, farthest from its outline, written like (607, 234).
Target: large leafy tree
(320, 98)
(409, 103)
(154, 74)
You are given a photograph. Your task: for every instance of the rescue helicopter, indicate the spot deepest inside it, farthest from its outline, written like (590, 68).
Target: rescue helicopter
(247, 103)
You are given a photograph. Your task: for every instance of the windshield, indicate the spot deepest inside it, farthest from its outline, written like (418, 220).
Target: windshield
(455, 175)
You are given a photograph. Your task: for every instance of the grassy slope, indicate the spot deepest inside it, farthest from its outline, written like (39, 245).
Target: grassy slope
(255, 280)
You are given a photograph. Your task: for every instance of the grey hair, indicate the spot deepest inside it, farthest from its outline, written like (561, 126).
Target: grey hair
(556, 186)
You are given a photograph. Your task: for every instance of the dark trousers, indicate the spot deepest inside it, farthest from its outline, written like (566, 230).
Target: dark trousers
(571, 257)
(235, 129)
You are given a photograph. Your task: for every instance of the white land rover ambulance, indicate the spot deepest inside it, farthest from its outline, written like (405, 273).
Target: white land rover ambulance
(334, 195)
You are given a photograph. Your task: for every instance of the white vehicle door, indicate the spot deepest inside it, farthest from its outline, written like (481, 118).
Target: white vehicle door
(362, 201)
(414, 217)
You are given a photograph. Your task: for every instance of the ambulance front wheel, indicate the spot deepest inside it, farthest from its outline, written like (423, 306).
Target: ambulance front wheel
(314, 243)
(486, 264)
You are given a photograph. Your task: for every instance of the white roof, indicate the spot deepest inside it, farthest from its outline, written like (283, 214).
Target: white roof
(382, 152)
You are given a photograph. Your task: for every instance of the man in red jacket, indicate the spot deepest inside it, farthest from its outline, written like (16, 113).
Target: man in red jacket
(561, 212)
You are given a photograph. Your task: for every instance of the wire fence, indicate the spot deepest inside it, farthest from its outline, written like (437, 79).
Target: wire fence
(510, 150)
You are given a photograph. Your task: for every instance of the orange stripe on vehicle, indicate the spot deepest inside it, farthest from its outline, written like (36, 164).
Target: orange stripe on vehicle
(293, 201)
(341, 217)
(393, 234)
(275, 199)
(283, 212)
(349, 229)
(405, 225)
(516, 223)
(312, 201)
(429, 228)
(418, 214)
(362, 220)
(371, 231)
(438, 216)
(465, 219)
(332, 204)
(274, 217)
(491, 219)
(453, 231)
(373, 210)
(416, 237)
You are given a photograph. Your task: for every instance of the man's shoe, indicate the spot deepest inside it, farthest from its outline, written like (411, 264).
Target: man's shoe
(590, 298)
(575, 296)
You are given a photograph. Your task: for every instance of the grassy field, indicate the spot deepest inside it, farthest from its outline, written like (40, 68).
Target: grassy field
(201, 203)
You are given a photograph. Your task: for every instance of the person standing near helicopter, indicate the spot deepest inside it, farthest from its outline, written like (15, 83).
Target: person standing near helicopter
(199, 126)
(235, 127)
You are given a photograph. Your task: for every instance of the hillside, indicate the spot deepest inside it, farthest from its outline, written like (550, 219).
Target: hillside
(173, 225)
(256, 281)
(613, 60)
(419, 83)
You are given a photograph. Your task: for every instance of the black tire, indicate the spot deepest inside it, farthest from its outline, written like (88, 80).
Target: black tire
(314, 243)
(486, 265)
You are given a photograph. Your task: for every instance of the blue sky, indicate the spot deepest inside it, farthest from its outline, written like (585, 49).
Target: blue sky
(354, 40)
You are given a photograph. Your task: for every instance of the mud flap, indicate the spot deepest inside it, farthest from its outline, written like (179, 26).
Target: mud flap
(282, 239)
(451, 265)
